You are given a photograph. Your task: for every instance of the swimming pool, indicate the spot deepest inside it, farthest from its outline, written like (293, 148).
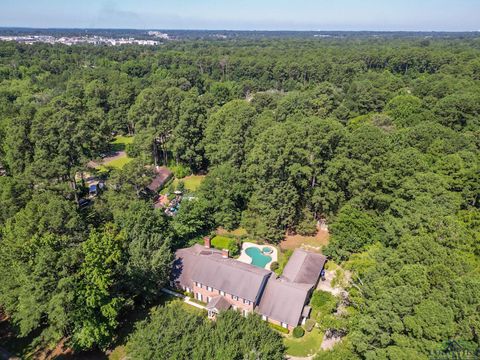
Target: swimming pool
(258, 259)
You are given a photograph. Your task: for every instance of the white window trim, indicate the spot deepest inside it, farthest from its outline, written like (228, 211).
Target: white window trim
(285, 326)
(222, 293)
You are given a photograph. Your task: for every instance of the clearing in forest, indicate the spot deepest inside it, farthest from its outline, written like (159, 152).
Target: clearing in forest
(311, 243)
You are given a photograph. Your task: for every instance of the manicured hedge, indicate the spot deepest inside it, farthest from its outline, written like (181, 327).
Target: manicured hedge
(278, 328)
(298, 332)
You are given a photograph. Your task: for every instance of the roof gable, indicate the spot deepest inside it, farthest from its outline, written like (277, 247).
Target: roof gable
(231, 276)
(283, 301)
(304, 267)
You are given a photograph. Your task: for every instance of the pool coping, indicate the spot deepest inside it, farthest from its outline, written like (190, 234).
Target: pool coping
(248, 260)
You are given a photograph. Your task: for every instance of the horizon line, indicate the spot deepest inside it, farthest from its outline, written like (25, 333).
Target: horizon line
(245, 30)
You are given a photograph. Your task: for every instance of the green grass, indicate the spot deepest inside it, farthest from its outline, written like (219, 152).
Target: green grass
(116, 164)
(283, 257)
(192, 183)
(307, 345)
(120, 142)
(119, 163)
(222, 242)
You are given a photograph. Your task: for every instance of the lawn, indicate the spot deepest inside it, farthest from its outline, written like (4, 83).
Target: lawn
(307, 345)
(283, 257)
(120, 142)
(118, 163)
(192, 183)
(222, 242)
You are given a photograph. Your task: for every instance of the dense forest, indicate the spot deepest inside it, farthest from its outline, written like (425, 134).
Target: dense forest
(379, 137)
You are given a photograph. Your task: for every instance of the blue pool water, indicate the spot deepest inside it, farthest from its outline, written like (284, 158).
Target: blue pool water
(258, 259)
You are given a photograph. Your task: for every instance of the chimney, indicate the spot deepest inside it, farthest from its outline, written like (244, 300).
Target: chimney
(207, 242)
(225, 253)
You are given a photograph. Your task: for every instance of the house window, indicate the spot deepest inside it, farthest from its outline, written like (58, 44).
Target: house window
(264, 318)
(234, 297)
(284, 325)
(245, 313)
(208, 299)
(199, 297)
(209, 288)
(245, 301)
(234, 307)
(222, 293)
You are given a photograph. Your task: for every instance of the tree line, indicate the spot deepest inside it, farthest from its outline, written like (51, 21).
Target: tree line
(378, 136)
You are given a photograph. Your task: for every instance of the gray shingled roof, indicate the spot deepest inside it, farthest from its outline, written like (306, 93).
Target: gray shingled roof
(283, 301)
(283, 298)
(304, 267)
(208, 267)
(230, 275)
(185, 262)
(218, 303)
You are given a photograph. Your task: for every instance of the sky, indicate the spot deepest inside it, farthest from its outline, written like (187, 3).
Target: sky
(389, 15)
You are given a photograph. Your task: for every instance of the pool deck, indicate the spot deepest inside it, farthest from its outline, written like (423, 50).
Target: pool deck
(248, 260)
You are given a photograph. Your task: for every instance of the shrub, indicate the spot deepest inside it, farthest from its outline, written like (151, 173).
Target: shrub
(309, 324)
(181, 186)
(233, 248)
(274, 266)
(323, 302)
(298, 332)
(278, 328)
(180, 171)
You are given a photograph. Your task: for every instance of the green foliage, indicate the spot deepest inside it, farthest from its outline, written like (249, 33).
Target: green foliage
(351, 231)
(230, 337)
(100, 272)
(226, 192)
(378, 136)
(274, 266)
(180, 171)
(283, 257)
(323, 302)
(298, 332)
(195, 219)
(308, 225)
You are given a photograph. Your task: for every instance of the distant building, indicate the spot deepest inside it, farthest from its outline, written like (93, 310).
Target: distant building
(225, 283)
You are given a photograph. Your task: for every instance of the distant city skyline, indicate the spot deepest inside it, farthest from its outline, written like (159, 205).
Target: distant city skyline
(372, 15)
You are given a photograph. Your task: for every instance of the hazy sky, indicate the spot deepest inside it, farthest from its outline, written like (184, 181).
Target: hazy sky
(437, 15)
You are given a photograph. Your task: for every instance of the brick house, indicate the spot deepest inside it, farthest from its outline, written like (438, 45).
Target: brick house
(223, 283)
